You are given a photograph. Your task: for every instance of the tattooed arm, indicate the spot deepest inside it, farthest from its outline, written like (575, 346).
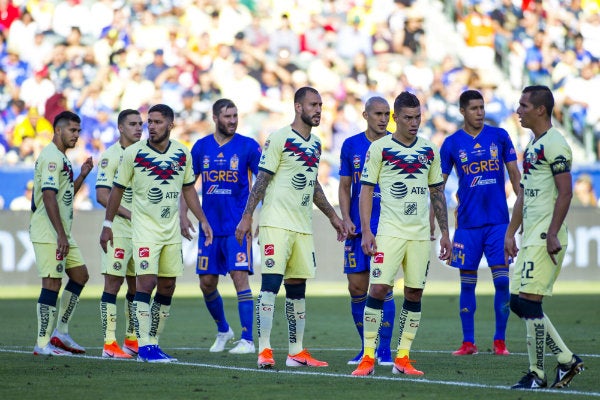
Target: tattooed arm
(256, 195)
(438, 203)
(320, 200)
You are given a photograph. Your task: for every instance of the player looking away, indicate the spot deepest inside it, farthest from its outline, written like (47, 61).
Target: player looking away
(117, 262)
(287, 183)
(541, 206)
(158, 170)
(56, 251)
(407, 169)
(478, 153)
(356, 263)
(225, 162)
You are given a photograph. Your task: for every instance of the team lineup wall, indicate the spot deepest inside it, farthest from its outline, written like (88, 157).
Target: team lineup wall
(17, 260)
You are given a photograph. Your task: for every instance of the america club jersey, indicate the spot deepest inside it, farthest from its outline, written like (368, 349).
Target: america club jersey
(544, 158)
(479, 164)
(107, 169)
(352, 160)
(404, 174)
(226, 173)
(293, 161)
(156, 180)
(53, 171)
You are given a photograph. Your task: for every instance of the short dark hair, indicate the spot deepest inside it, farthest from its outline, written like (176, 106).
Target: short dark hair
(375, 100)
(406, 100)
(64, 117)
(540, 95)
(126, 113)
(301, 93)
(164, 110)
(467, 96)
(220, 104)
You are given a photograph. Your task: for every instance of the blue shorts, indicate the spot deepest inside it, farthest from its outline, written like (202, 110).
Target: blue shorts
(223, 255)
(469, 245)
(355, 260)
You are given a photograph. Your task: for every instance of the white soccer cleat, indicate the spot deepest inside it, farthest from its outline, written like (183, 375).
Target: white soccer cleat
(65, 342)
(221, 341)
(50, 350)
(243, 346)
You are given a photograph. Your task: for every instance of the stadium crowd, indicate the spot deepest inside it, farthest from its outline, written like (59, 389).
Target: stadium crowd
(98, 57)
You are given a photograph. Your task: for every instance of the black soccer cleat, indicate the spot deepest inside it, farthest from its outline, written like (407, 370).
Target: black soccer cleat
(566, 372)
(530, 381)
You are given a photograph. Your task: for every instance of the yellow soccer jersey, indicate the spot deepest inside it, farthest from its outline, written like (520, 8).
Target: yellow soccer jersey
(404, 175)
(293, 161)
(107, 169)
(544, 158)
(53, 171)
(156, 180)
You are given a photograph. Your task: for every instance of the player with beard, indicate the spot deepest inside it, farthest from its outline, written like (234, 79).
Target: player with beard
(287, 184)
(158, 170)
(56, 252)
(225, 162)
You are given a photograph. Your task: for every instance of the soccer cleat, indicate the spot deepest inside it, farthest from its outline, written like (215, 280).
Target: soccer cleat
(402, 365)
(566, 372)
(153, 354)
(221, 341)
(466, 349)
(162, 353)
(365, 367)
(243, 346)
(500, 348)
(50, 350)
(356, 359)
(304, 359)
(65, 342)
(112, 350)
(530, 381)
(130, 346)
(384, 357)
(265, 359)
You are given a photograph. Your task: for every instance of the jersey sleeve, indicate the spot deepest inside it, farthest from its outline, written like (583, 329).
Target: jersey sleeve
(345, 161)
(188, 173)
(372, 167)
(435, 172)
(271, 155)
(107, 167)
(446, 159)
(196, 155)
(50, 173)
(255, 153)
(509, 152)
(559, 157)
(125, 171)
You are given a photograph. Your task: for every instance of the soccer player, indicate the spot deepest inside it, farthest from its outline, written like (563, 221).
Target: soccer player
(406, 167)
(287, 183)
(117, 263)
(478, 153)
(225, 161)
(56, 252)
(157, 170)
(541, 206)
(356, 263)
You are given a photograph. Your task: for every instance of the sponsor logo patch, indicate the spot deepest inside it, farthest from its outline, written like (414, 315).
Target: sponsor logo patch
(119, 253)
(378, 258)
(59, 257)
(269, 249)
(144, 252)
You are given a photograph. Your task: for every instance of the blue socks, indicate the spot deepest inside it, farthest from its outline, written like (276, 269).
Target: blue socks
(501, 301)
(387, 322)
(246, 312)
(468, 305)
(214, 303)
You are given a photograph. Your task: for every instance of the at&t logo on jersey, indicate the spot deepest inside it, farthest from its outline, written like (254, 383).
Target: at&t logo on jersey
(144, 252)
(269, 249)
(378, 258)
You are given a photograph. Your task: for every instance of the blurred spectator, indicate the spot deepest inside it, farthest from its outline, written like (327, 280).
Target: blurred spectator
(479, 35)
(16, 69)
(412, 40)
(70, 13)
(582, 55)
(581, 95)
(23, 202)
(22, 33)
(583, 191)
(55, 104)
(538, 61)
(37, 89)
(284, 39)
(352, 39)
(8, 14)
(156, 67)
(34, 126)
(82, 200)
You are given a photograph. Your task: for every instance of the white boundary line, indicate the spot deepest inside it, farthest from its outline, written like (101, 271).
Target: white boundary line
(563, 392)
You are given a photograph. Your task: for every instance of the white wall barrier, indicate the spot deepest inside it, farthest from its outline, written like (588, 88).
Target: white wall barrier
(17, 261)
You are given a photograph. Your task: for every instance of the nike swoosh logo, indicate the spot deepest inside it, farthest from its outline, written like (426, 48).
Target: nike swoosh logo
(303, 362)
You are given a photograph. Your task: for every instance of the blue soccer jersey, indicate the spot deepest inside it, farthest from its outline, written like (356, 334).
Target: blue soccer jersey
(479, 164)
(352, 160)
(226, 173)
